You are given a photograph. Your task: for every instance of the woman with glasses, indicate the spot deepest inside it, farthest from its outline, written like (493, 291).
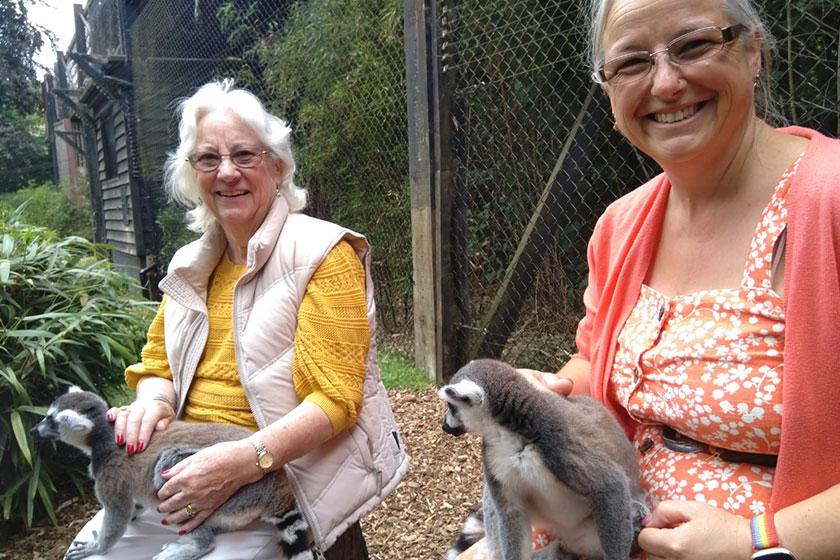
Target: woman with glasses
(267, 322)
(713, 304)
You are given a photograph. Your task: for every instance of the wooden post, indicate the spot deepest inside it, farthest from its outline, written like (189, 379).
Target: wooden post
(420, 171)
(427, 90)
(517, 285)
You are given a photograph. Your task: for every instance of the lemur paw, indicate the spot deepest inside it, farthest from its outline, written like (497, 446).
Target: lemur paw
(640, 512)
(183, 549)
(81, 549)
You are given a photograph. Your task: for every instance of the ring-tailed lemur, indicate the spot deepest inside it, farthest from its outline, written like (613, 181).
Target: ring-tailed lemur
(121, 481)
(562, 463)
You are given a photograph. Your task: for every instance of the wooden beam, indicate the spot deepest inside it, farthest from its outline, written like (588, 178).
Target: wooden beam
(421, 183)
(517, 284)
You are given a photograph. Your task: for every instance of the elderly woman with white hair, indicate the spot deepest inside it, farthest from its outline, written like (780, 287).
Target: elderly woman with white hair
(267, 322)
(711, 326)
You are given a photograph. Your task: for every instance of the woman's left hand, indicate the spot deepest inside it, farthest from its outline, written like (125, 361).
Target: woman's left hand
(206, 480)
(682, 530)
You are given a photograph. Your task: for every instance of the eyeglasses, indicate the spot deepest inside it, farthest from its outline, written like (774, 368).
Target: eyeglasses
(692, 47)
(210, 161)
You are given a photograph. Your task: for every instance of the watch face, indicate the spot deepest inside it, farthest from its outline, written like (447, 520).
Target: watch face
(265, 461)
(773, 554)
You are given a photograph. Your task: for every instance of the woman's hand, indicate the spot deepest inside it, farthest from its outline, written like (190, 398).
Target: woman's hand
(134, 424)
(206, 480)
(683, 530)
(546, 381)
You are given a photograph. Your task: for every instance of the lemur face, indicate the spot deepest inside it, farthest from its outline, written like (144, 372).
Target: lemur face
(71, 418)
(464, 399)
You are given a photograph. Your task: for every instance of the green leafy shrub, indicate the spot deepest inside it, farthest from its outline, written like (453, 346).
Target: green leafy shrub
(173, 233)
(58, 208)
(336, 71)
(66, 318)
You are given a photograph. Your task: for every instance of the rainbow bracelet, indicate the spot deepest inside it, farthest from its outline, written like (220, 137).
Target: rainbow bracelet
(764, 532)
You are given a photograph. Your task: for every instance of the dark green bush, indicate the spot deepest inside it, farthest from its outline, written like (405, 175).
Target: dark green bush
(173, 233)
(66, 318)
(337, 73)
(58, 208)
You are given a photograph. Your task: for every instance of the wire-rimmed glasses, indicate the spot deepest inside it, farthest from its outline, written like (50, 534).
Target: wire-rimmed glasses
(692, 47)
(210, 161)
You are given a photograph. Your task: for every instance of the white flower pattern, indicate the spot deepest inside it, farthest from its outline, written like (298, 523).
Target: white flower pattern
(710, 365)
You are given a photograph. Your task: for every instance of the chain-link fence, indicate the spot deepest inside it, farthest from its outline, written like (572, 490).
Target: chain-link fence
(536, 160)
(334, 70)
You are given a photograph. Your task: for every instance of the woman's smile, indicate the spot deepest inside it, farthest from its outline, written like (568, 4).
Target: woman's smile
(676, 115)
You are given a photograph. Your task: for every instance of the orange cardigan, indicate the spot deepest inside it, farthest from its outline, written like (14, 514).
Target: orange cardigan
(621, 251)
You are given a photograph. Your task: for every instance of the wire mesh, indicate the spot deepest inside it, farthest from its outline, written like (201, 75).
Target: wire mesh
(334, 70)
(536, 160)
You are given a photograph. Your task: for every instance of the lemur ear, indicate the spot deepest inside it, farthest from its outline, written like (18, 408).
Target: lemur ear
(74, 389)
(464, 392)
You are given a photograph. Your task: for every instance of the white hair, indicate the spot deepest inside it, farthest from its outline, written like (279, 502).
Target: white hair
(744, 12)
(180, 179)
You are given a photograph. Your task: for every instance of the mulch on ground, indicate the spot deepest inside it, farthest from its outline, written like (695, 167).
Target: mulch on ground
(417, 522)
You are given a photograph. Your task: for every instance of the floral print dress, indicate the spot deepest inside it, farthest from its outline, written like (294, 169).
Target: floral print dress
(708, 364)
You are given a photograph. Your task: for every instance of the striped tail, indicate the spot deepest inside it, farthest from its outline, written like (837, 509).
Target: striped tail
(294, 535)
(471, 533)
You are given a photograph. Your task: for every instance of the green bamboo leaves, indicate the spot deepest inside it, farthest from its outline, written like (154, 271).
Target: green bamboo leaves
(67, 317)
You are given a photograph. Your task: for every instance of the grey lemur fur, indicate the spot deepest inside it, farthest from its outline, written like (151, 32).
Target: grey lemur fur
(121, 481)
(563, 463)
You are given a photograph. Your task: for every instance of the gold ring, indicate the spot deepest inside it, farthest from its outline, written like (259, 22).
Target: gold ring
(190, 511)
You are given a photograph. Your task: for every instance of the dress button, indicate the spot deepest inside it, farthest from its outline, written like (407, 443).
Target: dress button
(662, 309)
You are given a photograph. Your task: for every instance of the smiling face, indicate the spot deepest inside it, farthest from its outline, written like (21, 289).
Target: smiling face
(680, 113)
(239, 198)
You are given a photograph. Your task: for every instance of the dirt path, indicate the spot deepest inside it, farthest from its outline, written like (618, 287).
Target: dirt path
(417, 522)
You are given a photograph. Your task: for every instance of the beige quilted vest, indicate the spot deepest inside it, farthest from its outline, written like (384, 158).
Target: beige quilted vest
(352, 473)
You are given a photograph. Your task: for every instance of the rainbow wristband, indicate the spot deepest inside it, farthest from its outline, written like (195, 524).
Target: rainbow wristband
(764, 532)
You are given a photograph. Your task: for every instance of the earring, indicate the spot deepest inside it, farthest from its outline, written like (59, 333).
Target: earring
(615, 126)
(277, 190)
(757, 81)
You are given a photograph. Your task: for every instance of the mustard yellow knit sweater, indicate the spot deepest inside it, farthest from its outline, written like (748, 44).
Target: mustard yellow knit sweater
(331, 346)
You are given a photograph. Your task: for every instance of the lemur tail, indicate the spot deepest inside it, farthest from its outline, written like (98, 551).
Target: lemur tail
(471, 533)
(294, 535)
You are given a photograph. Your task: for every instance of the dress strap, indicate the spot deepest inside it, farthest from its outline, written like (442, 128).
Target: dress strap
(767, 244)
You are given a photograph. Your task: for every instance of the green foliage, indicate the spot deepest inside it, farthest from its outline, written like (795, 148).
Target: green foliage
(58, 208)
(19, 42)
(66, 318)
(337, 73)
(23, 146)
(24, 156)
(173, 233)
(399, 373)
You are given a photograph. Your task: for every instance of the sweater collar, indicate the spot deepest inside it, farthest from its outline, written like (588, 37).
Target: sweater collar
(192, 265)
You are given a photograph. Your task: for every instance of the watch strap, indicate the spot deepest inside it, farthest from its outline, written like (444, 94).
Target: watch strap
(259, 446)
(764, 532)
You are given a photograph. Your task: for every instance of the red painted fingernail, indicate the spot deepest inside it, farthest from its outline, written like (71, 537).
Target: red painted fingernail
(164, 522)
(182, 532)
(164, 472)
(120, 440)
(140, 446)
(130, 449)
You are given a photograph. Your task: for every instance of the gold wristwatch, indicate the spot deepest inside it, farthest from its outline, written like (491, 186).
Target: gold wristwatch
(264, 457)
